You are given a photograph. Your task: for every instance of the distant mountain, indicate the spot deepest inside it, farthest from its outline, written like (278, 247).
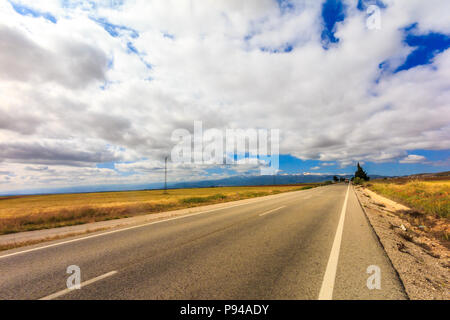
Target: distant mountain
(424, 176)
(84, 189)
(259, 181)
(431, 175)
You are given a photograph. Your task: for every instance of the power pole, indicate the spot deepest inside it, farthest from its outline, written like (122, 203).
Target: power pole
(165, 175)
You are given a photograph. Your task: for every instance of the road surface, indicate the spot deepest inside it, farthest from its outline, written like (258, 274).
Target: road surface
(311, 244)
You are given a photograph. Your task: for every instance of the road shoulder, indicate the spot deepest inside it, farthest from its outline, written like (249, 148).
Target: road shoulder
(361, 252)
(421, 261)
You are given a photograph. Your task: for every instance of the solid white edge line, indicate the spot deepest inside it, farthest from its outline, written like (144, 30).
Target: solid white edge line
(130, 228)
(83, 284)
(326, 291)
(270, 211)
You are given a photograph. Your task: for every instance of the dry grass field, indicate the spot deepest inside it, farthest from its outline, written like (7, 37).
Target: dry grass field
(428, 199)
(26, 213)
(425, 197)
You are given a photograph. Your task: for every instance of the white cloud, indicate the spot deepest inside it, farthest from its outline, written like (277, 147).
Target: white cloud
(73, 95)
(327, 164)
(413, 158)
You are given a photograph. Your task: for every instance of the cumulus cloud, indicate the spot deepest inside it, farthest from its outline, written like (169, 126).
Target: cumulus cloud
(327, 164)
(413, 158)
(72, 64)
(109, 83)
(56, 152)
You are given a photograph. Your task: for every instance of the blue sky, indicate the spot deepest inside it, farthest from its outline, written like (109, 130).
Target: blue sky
(27, 11)
(93, 91)
(333, 11)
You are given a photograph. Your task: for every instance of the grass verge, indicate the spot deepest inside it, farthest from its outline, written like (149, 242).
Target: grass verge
(425, 197)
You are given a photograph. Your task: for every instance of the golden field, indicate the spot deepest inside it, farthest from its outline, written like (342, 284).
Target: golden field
(426, 197)
(26, 213)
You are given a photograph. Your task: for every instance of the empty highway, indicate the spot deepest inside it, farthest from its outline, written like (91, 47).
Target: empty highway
(311, 244)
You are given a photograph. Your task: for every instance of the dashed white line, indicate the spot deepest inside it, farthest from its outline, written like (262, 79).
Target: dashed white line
(83, 284)
(326, 291)
(270, 211)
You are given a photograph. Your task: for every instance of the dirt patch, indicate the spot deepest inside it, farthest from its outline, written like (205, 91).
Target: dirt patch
(414, 243)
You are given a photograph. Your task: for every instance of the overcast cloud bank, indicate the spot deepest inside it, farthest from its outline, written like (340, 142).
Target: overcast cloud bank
(91, 94)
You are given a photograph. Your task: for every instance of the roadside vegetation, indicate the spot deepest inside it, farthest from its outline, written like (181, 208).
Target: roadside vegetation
(27, 213)
(424, 197)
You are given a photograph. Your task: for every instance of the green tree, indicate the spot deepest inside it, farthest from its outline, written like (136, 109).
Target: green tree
(360, 173)
(335, 179)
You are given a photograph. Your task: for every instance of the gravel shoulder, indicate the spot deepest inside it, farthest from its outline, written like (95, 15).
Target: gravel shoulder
(421, 260)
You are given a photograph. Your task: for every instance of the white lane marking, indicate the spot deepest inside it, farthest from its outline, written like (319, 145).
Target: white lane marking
(133, 227)
(83, 284)
(326, 291)
(270, 211)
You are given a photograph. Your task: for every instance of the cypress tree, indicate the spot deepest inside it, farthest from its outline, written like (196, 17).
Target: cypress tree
(360, 173)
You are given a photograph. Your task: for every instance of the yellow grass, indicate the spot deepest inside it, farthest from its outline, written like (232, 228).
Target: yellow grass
(427, 197)
(27, 213)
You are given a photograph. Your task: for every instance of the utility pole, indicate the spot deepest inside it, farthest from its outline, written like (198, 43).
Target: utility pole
(165, 175)
(275, 173)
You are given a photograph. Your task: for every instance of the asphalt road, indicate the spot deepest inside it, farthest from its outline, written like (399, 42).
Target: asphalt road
(303, 245)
